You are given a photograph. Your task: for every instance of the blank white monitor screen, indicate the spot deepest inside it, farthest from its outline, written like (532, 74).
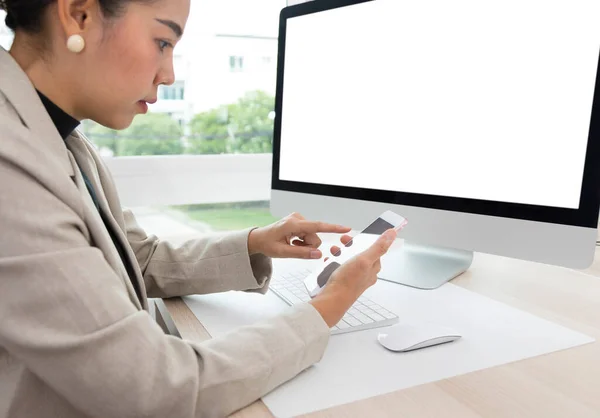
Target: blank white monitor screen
(477, 99)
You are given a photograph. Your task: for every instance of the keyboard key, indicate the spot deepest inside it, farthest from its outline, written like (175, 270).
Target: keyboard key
(363, 318)
(376, 317)
(289, 296)
(388, 315)
(352, 321)
(367, 311)
(343, 324)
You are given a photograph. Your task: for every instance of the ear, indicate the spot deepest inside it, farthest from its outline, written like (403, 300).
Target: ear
(77, 16)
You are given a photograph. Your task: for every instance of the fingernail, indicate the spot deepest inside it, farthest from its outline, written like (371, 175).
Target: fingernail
(315, 254)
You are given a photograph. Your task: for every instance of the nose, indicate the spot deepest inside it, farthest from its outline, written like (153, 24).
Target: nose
(166, 74)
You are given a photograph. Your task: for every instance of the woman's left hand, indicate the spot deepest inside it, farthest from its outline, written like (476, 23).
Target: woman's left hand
(291, 237)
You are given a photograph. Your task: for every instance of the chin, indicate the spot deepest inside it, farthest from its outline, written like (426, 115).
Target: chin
(118, 123)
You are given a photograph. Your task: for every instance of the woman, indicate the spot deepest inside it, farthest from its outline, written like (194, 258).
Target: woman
(76, 339)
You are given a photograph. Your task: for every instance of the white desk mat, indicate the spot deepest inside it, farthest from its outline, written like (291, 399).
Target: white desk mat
(356, 367)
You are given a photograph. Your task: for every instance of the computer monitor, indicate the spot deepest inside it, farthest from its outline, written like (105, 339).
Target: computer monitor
(476, 120)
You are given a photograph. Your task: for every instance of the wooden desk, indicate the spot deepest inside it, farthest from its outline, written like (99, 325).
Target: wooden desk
(560, 384)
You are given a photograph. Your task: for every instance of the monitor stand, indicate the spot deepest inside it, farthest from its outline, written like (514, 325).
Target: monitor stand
(423, 267)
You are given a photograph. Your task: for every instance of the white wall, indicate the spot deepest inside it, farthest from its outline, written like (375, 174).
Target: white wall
(6, 36)
(191, 179)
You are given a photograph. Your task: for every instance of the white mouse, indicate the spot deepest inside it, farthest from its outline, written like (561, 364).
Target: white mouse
(408, 337)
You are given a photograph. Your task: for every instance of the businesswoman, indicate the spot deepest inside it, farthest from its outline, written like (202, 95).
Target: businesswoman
(76, 339)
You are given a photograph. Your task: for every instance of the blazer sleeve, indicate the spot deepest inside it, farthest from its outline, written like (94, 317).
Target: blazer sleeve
(210, 264)
(66, 316)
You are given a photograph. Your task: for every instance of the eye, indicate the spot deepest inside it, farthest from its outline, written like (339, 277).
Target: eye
(162, 45)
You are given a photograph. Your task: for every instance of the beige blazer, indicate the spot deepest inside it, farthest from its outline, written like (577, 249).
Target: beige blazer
(75, 339)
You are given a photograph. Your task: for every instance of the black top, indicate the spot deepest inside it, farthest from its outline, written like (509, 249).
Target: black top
(65, 123)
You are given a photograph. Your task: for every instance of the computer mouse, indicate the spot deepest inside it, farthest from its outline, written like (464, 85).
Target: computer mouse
(408, 337)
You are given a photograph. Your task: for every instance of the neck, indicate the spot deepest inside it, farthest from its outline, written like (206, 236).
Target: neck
(40, 67)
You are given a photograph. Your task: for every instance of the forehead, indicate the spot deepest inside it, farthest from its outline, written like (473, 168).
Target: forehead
(176, 11)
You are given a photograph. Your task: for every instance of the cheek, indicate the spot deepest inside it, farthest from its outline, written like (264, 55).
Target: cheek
(137, 69)
(130, 68)
(121, 71)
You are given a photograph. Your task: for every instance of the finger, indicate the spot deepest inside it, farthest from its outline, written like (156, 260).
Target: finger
(312, 240)
(305, 252)
(299, 242)
(296, 215)
(335, 251)
(381, 246)
(346, 240)
(374, 279)
(310, 227)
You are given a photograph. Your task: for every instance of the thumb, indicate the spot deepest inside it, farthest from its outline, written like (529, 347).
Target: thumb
(381, 246)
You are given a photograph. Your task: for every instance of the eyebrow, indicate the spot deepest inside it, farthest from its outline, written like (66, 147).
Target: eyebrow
(174, 26)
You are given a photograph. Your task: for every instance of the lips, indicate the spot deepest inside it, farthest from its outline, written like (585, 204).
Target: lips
(143, 106)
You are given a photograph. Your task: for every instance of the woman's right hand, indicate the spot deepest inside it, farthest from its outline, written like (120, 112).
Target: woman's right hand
(351, 279)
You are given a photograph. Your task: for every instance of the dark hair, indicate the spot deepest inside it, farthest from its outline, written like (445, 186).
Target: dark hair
(27, 14)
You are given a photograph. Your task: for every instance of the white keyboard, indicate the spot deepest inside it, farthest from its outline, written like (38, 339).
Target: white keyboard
(364, 314)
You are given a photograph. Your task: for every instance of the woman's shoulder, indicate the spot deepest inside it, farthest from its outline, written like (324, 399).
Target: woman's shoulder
(10, 122)
(28, 155)
(38, 144)
(14, 144)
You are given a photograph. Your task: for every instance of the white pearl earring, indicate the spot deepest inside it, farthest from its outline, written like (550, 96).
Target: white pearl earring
(75, 43)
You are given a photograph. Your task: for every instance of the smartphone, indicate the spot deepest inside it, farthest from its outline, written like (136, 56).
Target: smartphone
(317, 280)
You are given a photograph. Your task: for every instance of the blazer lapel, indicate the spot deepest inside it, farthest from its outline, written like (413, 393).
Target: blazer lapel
(84, 159)
(99, 235)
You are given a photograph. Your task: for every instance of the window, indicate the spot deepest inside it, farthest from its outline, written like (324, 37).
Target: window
(236, 64)
(176, 91)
